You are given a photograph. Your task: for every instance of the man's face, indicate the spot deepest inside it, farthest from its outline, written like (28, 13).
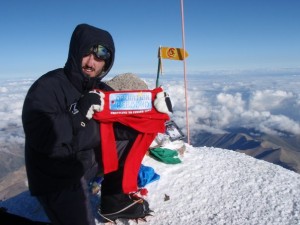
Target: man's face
(91, 65)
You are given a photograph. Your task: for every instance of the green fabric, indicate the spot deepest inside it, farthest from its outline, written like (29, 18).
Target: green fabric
(165, 155)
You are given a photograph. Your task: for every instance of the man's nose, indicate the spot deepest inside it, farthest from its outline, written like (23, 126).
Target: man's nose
(91, 59)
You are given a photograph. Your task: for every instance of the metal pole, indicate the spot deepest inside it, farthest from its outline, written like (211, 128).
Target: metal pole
(184, 72)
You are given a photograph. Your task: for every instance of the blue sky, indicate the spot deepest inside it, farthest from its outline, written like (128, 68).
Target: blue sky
(229, 36)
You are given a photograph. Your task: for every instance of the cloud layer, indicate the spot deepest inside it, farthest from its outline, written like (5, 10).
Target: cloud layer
(267, 104)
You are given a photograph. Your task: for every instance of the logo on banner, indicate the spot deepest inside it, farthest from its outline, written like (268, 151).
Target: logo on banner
(130, 102)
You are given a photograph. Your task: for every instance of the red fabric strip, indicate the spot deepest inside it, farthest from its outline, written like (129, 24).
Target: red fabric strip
(148, 123)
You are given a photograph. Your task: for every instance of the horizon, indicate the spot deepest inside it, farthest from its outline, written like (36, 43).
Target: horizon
(250, 73)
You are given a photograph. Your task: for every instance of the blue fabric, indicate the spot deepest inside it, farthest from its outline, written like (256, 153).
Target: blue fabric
(146, 175)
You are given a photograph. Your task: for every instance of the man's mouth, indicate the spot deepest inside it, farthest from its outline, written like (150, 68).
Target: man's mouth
(88, 69)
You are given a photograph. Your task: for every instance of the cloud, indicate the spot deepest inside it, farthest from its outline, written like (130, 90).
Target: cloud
(215, 103)
(268, 100)
(12, 94)
(218, 103)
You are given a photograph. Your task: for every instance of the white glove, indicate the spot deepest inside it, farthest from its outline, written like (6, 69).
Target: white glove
(162, 103)
(91, 102)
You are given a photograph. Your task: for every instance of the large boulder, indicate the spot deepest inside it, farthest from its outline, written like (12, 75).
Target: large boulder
(127, 81)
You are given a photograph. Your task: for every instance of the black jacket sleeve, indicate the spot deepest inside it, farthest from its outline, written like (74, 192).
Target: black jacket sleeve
(50, 127)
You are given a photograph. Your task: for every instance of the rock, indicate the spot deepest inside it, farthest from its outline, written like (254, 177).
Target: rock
(127, 81)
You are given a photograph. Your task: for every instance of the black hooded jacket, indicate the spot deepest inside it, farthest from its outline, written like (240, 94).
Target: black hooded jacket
(58, 150)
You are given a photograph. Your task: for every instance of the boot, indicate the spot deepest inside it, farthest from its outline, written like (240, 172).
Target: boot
(128, 206)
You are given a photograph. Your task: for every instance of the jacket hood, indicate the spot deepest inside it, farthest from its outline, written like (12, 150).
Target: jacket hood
(83, 38)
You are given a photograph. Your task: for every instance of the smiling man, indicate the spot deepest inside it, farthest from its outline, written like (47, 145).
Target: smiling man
(94, 61)
(62, 142)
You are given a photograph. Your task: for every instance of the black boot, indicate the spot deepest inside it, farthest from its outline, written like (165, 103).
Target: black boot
(128, 206)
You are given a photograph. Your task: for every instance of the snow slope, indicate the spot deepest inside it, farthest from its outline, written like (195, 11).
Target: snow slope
(211, 186)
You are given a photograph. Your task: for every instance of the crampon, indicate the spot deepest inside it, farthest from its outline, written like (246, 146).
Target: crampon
(124, 206)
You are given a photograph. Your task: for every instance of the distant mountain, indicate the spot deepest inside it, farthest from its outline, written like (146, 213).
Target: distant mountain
(13, 183)
(11, 159)
(283, 151)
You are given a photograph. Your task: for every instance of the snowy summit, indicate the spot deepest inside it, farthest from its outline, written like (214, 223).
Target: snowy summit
(210, 186)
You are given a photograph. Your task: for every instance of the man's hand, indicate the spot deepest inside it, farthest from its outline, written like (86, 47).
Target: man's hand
(91, 102)
(162, 103)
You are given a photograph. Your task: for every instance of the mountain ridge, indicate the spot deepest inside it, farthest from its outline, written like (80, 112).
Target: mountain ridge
(280, 150)
(274, 149)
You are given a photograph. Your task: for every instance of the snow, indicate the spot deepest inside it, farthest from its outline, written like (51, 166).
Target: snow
(211, 186)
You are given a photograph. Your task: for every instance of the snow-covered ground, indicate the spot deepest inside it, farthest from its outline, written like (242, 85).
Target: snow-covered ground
(210, 186)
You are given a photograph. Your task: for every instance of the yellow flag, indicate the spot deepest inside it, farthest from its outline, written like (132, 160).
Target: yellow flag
(173, 53)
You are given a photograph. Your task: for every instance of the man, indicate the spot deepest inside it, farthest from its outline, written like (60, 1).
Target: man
(62, 141)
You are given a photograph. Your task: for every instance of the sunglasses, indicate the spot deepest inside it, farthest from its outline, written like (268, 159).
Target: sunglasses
(100, 52)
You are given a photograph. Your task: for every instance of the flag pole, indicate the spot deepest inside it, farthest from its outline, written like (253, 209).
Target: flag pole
(159, 66)
(184, 72)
